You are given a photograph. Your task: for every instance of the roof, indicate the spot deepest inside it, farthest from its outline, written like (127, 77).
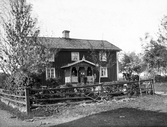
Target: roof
(71, 43)
(77, 62)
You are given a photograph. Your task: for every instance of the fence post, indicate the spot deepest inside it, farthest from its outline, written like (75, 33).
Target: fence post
(102, 90)
(140, 89)
(27, 99)
(152, 86)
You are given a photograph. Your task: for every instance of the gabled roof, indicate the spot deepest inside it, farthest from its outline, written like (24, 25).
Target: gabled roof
(71, 43)
(77, 62)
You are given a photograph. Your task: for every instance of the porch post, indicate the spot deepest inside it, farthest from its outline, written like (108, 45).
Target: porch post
(77, 68)
(86, 69)
(70, 75)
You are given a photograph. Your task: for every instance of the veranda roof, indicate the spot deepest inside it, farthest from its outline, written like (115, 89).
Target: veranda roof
(77, 62)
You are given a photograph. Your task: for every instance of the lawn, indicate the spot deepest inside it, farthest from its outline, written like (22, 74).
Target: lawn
(122, 117)
(161, 87)
(146, 110)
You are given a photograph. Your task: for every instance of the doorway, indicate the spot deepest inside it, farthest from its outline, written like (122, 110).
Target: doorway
(81, 74)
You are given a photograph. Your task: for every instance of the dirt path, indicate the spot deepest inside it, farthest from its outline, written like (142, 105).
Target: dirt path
(7, 120)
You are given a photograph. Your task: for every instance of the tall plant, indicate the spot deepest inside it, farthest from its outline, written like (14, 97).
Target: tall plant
(21, 49)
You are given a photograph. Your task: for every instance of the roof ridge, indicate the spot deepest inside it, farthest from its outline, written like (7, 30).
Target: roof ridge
(71, 38)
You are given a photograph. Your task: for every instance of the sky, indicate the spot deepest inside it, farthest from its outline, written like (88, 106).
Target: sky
(121, 22)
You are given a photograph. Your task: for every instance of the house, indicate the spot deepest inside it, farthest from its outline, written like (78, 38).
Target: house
(73, 62)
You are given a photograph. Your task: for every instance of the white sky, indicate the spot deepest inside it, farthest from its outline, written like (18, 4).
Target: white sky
(121, 22)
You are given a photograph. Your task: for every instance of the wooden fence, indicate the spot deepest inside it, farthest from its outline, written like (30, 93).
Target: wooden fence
(31, 98)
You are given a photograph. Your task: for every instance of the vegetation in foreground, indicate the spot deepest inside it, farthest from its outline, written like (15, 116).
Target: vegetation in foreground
(149, 102)
(14, 112)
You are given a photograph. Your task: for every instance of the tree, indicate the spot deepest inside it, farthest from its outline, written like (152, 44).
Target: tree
(155, 52)
(21, 48)
(153, 55)
(102, 57)
(132, 62)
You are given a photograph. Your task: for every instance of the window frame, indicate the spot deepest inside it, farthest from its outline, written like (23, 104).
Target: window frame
(49, 76)
(106, 73)
(52, 58)
(74, 55)
(103, 56)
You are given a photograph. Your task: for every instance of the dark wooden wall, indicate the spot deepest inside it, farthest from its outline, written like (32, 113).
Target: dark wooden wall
(64, 57)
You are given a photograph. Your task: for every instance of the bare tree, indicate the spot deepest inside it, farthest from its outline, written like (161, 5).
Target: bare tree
(102, 57)
(21, 49)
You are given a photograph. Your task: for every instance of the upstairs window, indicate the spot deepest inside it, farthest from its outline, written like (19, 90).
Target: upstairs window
(52, 58)
(50, 73)
(102, 56)
(74, 56)
(103, 72)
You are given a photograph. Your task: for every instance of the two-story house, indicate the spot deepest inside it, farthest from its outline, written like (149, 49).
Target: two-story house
(73, 61)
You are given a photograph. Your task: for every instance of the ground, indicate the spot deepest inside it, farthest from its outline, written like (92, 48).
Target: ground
(122, 117)
(147, 103)
(151, 103)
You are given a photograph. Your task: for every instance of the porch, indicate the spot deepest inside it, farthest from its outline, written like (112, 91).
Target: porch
(79, 72)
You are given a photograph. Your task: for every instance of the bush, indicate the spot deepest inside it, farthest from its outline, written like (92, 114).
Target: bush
(16, 81)
(21, 79)
(159, 78)
(2, 79)
(52, 83)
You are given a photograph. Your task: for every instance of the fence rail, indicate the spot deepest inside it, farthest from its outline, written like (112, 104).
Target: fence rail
(55, 96)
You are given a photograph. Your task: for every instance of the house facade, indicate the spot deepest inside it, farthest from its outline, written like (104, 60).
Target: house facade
(74, 62)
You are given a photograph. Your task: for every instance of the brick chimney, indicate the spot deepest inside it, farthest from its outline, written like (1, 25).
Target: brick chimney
(66, 34)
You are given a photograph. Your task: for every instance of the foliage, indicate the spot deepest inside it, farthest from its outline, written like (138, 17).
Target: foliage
(21, 47)
(2, 79)
(52, 83)
(132, 62)
(16, 81)
(155, 52)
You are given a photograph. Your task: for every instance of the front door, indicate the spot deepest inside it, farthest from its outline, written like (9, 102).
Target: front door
(81, 74)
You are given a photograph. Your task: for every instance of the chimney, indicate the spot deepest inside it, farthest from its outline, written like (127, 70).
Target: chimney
(66, 34)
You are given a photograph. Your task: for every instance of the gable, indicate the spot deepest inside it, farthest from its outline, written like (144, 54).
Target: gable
(82, 62)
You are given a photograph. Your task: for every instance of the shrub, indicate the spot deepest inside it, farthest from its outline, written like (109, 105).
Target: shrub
(21, 79)
(52, 83)
(2, 79)
(15, 81)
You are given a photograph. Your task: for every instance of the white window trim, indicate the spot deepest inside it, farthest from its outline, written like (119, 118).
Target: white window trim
(54, 76)
(102, 56)
(52, 58)
(77, 56)
(105, 76)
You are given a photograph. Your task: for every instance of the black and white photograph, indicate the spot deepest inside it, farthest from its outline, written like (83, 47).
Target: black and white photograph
(83, 63)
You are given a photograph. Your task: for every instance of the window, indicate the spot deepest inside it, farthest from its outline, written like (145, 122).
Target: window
(74, 56)
(102, 56)
(52, 58)
(103, 72)
(50, 73)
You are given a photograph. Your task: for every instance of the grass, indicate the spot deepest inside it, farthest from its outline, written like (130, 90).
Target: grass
(161, 87)
(14, 111)
(122, 117)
